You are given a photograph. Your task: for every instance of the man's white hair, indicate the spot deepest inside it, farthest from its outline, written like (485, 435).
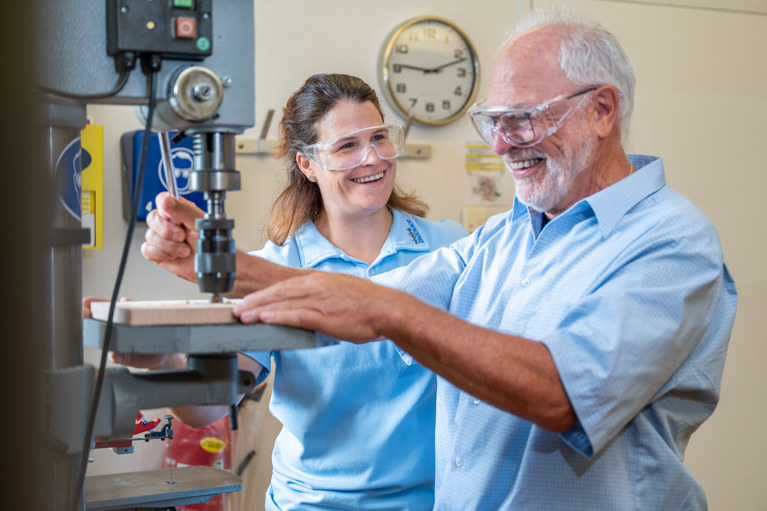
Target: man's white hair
(589, 55)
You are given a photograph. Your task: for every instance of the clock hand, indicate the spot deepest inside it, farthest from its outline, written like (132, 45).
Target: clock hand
(428, 70)
(417, 68)
(437, 69)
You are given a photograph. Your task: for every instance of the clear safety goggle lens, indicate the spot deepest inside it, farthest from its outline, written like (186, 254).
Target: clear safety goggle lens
(347, 151)
(523, 127)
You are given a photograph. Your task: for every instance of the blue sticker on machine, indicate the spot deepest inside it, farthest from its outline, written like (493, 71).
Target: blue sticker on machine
(72, 160)
(154, 176)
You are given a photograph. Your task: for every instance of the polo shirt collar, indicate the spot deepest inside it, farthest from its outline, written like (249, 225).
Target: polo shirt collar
(314, 248)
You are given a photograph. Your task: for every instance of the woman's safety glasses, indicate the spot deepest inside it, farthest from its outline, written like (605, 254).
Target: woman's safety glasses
(524, 127)
(349, 150)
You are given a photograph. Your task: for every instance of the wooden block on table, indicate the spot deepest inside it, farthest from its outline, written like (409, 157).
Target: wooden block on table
(167, 312)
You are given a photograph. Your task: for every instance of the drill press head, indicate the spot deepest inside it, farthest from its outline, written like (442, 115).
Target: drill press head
(194, 96)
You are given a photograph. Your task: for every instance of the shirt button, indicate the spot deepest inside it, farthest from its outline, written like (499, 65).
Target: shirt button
(525, 282)
(476, 401)
(459, 462)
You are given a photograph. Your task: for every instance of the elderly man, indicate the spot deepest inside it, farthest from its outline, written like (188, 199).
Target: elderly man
(580, 338)
(586, 329)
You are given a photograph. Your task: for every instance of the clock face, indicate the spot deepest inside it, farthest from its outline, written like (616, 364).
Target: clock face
(429, 70)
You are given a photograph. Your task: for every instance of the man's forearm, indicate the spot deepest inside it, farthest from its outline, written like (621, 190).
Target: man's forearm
(512, 373)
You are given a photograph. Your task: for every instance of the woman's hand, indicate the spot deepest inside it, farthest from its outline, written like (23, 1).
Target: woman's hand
(172, 236)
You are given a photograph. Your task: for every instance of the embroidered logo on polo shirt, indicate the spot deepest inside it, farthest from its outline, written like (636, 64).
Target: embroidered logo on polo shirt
(413, 232)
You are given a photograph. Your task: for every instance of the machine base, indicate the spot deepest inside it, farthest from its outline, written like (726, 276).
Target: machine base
(151, 489)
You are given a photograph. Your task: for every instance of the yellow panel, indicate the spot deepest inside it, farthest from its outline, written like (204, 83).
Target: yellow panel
(92, 141)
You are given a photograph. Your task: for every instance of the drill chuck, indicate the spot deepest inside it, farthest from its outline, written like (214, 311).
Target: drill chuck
(214, 262)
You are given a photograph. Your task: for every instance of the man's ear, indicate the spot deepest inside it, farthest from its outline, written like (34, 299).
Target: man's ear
(607, 101)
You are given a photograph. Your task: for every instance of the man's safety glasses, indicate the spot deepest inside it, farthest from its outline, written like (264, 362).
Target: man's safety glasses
(524, 127)
(349, 150)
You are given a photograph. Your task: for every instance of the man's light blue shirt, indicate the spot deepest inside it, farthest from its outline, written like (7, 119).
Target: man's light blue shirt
(629, 292)
(358, 420)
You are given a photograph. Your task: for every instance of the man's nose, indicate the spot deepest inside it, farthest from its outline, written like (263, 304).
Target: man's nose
(500, 145)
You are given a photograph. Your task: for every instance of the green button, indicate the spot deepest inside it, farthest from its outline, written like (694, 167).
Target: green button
(183, 4)
(203, 44)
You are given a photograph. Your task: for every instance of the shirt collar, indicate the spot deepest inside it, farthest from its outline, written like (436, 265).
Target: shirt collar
(314, 248)
(405, 234)
(610, 204)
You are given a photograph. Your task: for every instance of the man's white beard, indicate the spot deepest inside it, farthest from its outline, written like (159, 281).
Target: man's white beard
(544, 190)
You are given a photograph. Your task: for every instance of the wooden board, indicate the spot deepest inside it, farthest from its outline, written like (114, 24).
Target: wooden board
(167, 312)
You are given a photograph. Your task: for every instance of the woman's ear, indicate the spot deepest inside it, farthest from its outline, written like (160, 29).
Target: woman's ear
(305, 164)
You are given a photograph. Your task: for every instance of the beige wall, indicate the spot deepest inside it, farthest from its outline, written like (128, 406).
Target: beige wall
(700, 104)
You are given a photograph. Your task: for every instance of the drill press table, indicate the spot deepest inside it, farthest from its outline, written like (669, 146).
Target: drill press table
(187, 326)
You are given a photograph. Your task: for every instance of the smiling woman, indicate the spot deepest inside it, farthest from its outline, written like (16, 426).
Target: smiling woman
(325, 107)
(354, 199)
(358, 420)
(342, 211)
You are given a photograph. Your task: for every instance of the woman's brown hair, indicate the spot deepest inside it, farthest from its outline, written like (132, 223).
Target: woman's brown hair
(301, 200)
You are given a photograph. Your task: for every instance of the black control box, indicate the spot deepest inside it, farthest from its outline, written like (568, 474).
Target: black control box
(174, 29)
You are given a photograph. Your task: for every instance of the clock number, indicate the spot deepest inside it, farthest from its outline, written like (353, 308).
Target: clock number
(396, 68)
(401, 88)
(430, 32)
(458, 91)
(401, 48)
(446, 104)
(461, 72)
(429, 107)
(458, 53)
(413, 101)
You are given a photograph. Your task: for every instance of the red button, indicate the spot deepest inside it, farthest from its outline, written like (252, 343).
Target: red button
(186, 28)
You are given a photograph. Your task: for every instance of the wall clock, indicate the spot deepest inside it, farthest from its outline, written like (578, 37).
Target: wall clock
(429, 70)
